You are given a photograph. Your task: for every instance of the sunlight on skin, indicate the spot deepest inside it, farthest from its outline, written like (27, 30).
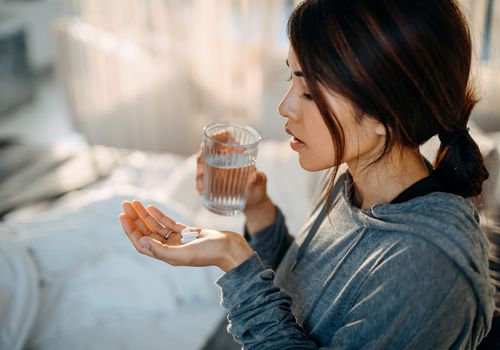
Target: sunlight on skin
(147, 227)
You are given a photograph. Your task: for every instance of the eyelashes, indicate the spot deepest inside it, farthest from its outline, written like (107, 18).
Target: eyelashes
(305, 95)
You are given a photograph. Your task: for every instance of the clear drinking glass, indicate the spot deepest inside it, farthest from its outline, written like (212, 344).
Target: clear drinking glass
(230, 150)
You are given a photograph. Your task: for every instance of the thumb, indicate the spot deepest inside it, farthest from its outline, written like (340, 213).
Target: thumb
(155, 249)
(149, 245)
(258, 178)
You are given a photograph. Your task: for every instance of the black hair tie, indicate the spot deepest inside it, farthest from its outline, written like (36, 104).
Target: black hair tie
(447, 138)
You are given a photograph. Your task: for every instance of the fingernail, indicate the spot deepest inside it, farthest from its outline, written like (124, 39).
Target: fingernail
(145, 244)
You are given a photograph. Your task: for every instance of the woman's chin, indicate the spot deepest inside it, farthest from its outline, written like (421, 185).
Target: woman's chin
(311, 164)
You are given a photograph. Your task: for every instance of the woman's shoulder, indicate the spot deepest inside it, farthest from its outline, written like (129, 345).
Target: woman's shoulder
(437, 235)
(429, 215)
(438, 222)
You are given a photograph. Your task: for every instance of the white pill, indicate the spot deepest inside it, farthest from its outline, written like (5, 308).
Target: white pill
(190, 234)
(187, 240)
(186, 230)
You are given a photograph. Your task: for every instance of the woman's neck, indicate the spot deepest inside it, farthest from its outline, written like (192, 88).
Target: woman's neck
(382, 182)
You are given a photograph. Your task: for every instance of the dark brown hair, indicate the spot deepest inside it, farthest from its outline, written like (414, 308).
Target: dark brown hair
(406, 64)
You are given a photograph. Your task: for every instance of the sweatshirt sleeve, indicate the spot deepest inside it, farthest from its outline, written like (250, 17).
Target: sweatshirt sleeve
(259, 313)
(404, 302)
(272, 242)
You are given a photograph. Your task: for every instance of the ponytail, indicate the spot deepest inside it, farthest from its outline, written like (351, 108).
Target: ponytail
(459, 163)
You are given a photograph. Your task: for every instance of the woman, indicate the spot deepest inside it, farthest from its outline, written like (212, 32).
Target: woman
(393, 256)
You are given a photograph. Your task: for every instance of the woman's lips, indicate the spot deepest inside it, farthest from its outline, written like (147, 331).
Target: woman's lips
(296, 144)
(296, 138)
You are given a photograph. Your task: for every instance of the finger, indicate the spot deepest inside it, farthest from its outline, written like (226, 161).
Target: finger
(159, 238)
(199, 158)
(129, 210)
(261, 178)
(132, 213)
(146, 217)
(165, 220)
(129, 227)
(174, 239)
(152, 223)
(132, 233)
(223, 136)
(199, 184)
(199, 178)
(257, 178)
(146, 244)
(251, 179)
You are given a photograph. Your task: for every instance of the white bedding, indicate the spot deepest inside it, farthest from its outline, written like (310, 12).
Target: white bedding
(18, 292)
(95, 291)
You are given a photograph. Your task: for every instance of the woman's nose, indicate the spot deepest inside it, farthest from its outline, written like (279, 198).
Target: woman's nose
(287, 107)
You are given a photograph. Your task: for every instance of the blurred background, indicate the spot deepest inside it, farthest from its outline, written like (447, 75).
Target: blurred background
(141, 74)
(105, 100)
(150, 74)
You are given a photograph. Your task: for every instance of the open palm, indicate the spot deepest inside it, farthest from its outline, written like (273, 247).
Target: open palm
(154, 234)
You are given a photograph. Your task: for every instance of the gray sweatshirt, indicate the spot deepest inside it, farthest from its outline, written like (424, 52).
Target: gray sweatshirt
(410, 275)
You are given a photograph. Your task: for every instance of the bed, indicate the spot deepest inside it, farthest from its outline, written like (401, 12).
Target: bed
(70, 279)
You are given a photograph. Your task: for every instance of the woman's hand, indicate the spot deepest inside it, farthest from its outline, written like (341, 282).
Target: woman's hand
(256, 184)
(259, 209)
(154, 234)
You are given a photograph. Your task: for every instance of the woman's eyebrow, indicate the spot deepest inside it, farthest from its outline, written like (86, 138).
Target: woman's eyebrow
(297, 73)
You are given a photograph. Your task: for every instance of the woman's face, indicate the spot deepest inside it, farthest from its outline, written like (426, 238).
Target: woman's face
(311, 137)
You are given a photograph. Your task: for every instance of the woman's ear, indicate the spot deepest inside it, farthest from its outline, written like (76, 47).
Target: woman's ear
(380, 129)
(374, 125)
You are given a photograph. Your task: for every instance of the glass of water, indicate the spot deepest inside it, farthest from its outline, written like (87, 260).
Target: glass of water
(230, 150)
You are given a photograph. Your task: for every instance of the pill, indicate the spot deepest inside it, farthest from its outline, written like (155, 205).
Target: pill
(186, 230)
(190, 235)
(187, 240)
